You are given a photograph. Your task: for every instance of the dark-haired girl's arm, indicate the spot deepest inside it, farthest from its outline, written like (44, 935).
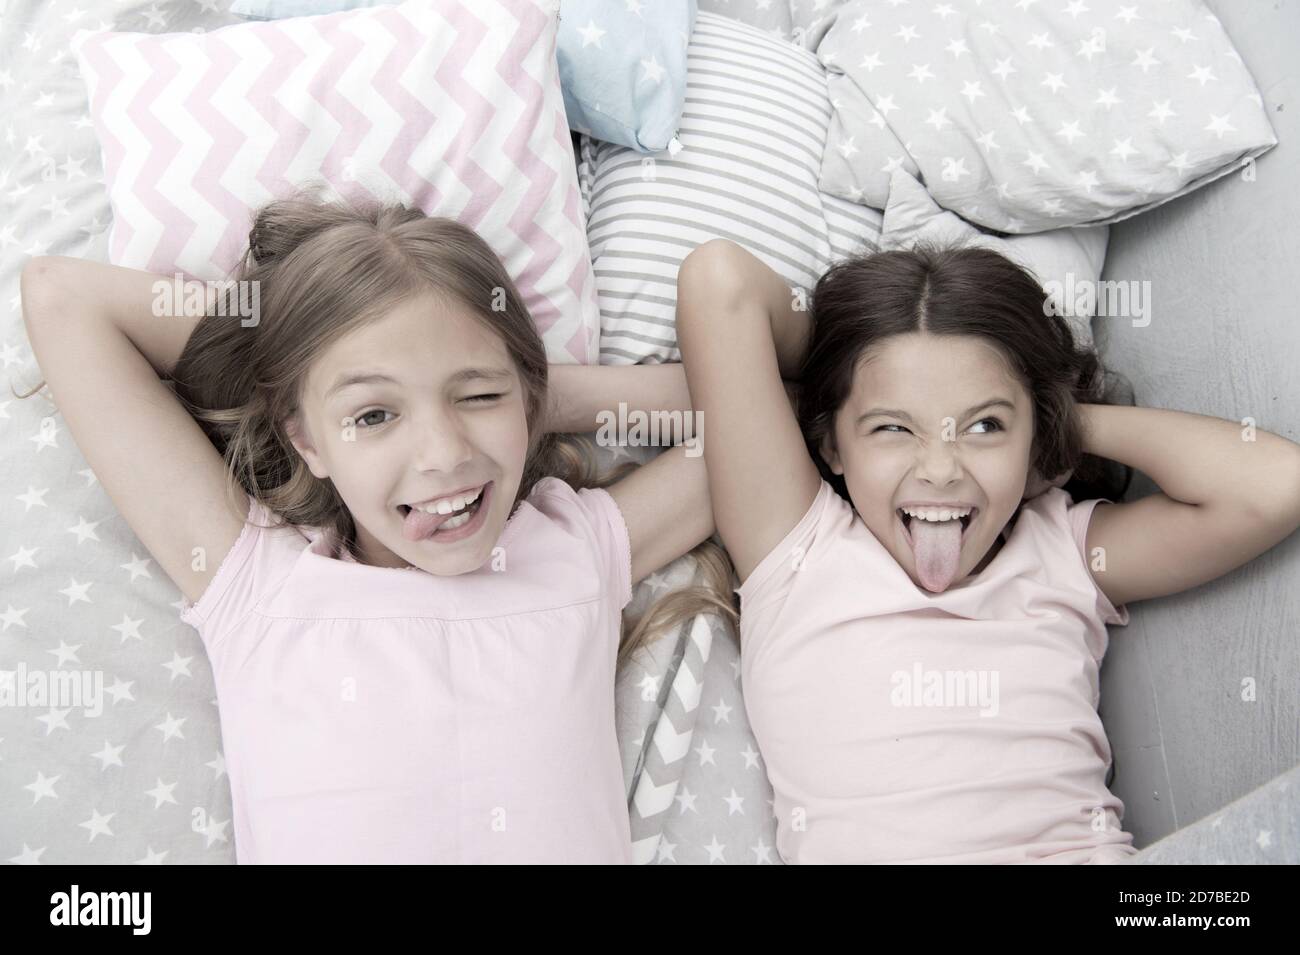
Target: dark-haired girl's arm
(1228, 492)
(665, 503)
(740, 334)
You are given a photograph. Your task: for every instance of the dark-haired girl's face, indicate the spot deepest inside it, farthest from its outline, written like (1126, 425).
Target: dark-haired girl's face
(934, 445)
(419, 421)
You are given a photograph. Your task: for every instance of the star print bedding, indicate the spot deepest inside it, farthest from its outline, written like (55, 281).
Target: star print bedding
(1037, 115)
(136, 774)
(140, 777)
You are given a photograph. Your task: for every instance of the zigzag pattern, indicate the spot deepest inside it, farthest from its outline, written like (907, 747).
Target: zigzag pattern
(665, 761)
(452, 107)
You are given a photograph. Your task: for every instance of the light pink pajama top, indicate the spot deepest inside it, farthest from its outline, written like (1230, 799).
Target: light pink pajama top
(372, 714)
(899, 725)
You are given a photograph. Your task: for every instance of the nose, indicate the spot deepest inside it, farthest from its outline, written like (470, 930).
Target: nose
(440, 442)
(938, 464)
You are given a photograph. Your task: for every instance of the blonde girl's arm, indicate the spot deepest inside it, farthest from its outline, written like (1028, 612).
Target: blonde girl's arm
(101, 350)
(739, 336)
(584, 398)
(664, 503)
(1228, 493)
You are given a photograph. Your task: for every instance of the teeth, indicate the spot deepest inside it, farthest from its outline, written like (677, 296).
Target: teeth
(456, 521)
(936, 513)
(449, 505)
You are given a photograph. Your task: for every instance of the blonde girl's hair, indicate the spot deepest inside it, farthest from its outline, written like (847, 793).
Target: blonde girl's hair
(325, 268)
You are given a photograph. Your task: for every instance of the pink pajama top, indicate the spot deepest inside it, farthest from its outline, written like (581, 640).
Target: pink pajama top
(372, 714)
(903, 726)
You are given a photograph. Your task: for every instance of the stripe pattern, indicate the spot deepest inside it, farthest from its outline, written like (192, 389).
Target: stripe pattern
(455, 108)
(753, 131)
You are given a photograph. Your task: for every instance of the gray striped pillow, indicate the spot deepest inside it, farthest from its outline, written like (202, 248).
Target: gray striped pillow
(753, 132)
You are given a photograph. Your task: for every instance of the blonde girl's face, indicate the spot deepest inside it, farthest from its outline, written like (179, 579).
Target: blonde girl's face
(935, 423)
(425, 404)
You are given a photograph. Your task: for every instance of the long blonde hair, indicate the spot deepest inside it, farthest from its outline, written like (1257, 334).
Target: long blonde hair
(324, 268)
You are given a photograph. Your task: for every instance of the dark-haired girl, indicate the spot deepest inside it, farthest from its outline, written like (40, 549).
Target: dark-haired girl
(921, 630)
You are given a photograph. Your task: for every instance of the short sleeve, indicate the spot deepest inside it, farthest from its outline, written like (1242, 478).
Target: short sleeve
(777, 568)
(1079, 516)
(259, 559)
(612, 542)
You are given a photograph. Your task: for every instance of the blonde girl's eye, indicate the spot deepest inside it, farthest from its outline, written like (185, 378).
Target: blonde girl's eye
(361, 418)
(483, 398)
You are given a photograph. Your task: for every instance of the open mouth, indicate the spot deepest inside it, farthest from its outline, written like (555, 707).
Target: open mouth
(455, 524)
(906, 520)
(456, 518)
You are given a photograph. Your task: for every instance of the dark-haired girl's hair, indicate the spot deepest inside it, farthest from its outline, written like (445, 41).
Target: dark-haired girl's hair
(863, 301)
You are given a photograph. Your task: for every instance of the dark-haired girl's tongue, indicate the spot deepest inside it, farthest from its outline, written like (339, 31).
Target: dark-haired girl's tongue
(936, 548)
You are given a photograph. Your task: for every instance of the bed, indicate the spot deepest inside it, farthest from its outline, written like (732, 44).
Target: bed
(1198, 692)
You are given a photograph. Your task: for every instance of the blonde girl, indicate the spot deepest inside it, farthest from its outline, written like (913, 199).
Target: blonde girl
(921, 633)
(412, 622)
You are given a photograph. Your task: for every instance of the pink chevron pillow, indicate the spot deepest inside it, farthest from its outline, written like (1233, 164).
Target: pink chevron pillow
(450, 105)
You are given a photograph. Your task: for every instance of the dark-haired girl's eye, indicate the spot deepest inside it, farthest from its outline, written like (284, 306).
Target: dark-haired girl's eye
(997, 424)
(361, 418)
(901, 430)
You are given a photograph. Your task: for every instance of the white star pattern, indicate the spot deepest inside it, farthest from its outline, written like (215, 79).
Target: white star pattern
(1219, 125)
(871, 62)
(1160, 111)
(1145, 60)
(954, 168)
(1106, 98)
(938, 118)
(106, 581)
(1069, 131)
(591, 34)
(1123, 148)
(1035, 162)
(652, 70)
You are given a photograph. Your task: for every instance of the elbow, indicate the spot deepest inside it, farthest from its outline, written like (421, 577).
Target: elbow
(711, 282)
(714, 270)
(1281, 507)
(1292, 481)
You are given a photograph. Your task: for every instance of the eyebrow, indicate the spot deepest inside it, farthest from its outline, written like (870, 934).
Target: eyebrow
(895, 413)
(374, 377)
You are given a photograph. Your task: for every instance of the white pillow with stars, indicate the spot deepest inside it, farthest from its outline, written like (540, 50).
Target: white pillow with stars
(1061, 260)
(1038, 114)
